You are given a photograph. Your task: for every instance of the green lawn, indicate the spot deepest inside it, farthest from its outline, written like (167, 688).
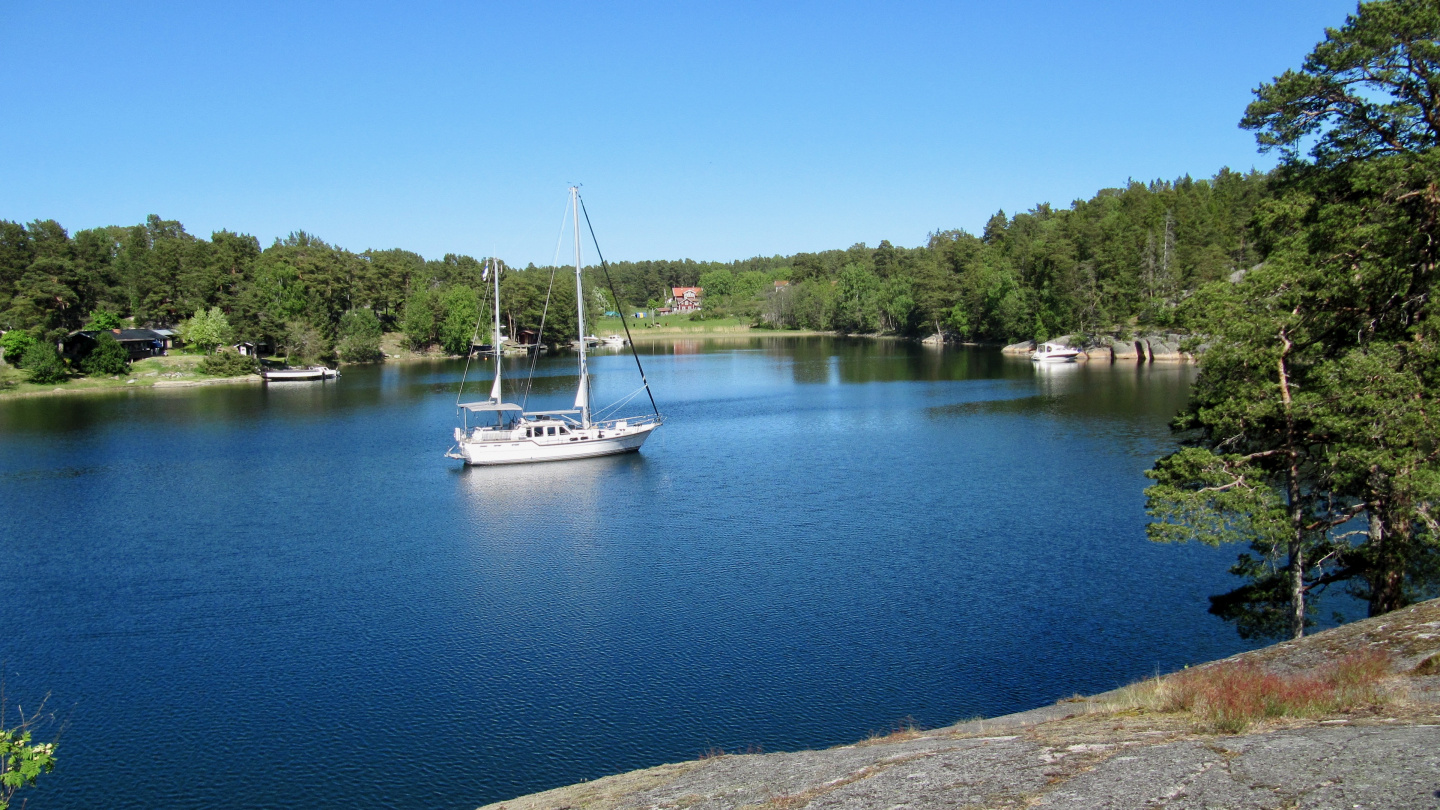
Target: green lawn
(145, 372)
(667, 323)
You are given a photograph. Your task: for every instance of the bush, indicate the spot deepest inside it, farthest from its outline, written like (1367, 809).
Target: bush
(359, 337)
(1228, 697)
(106, 358)
(360, 349)
(103, 319)
(303, 343)
(228, 364)
(15, 343)
(44, 364)
(207, 329)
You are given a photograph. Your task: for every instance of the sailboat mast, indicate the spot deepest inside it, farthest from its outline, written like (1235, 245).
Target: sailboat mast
(582, 397)
(495, 341)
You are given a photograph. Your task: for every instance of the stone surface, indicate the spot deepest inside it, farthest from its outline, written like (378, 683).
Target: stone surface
(1096, 753)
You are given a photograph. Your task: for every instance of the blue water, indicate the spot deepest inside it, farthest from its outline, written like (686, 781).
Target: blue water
(242, 596)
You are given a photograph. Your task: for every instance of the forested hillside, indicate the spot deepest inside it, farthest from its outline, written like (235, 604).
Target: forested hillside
(1126, 255)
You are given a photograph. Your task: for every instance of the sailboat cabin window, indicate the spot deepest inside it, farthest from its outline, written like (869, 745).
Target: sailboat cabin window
(550, 431)
(564, 431)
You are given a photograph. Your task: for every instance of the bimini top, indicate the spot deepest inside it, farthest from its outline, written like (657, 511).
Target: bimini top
(491, 406)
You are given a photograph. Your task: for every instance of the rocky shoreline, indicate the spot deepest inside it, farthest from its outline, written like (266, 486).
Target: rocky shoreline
(1108, 750)
(1149, 348)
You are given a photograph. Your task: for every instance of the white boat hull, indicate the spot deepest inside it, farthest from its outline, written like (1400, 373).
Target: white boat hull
(298, 374)
(609, 441)
(1054, 353)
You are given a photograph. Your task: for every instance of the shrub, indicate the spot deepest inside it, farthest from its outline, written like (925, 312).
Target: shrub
(103, 319)
(207, 329)
(15, 343)
(228, 364)
(44, 364)
(1228, 697)
(359, 349)
(106, 358)
(303, 343)
(359, 337)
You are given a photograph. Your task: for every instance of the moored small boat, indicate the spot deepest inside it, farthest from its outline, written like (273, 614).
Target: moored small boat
(298, 374)
(1054, 353)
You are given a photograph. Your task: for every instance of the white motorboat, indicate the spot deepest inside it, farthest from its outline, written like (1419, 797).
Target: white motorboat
(298, 374)
(614, 341)
(509, 434)
(1054, 353)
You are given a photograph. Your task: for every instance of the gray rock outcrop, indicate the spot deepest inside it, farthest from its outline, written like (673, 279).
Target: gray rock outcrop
(1097, 752)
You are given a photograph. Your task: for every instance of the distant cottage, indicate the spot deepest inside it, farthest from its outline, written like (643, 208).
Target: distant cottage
(138, 343)
(685, 299)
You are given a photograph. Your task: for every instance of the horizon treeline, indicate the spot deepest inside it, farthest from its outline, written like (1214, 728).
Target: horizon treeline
(1124, 257)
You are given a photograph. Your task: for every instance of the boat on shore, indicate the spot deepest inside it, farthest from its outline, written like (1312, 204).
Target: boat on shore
(308, 374)
(510, 434)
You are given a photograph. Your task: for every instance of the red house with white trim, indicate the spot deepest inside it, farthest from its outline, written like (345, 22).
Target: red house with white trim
(685, 299)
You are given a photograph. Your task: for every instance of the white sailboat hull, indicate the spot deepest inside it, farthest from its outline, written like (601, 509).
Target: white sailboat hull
(486, 448)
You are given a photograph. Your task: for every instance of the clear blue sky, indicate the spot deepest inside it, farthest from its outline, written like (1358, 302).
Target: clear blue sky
(712, 131)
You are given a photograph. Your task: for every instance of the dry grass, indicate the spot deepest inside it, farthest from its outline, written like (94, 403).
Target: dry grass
(1230, 697)
(905, 729)
(716, 752)
(1430, 666)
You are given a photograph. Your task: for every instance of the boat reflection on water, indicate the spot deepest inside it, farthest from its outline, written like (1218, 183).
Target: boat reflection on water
(567, 486)
(1057, 379)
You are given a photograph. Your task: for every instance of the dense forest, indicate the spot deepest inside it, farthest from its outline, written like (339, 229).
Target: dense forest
(1125, 256)
(1310, 435)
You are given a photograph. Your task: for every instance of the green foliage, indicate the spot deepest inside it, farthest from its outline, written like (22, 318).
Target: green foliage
(304, 344)
(207, 330)
(420, 321)
(462, 316)
(43, 365)
(107, 357)
(717, 283)
(1319, 389)
(103, 319)
(22, 761)
(228, 364)
(1367, 91)
(1126, 252)
(359, 337)
(15, 343)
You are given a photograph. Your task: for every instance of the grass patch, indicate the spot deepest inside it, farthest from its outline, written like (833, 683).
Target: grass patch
(1230, 697)
(716, 752)
(1430, 666)
(668, 323)
(905, 729)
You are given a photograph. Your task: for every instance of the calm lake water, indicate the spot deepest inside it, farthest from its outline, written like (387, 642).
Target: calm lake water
(242, 596)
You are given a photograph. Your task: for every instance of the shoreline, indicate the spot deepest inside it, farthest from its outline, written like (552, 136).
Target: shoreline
(85, 386)
(65, 389)
(1119, 748)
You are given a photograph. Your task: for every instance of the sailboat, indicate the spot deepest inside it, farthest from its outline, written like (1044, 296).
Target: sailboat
(509, 434)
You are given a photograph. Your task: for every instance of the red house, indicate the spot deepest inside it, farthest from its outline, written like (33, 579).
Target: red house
(685, 299)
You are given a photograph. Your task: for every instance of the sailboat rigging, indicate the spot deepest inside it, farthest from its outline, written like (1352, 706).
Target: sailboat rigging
(509, 434)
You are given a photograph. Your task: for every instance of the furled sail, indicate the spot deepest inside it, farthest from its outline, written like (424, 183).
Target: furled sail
(582, 396)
